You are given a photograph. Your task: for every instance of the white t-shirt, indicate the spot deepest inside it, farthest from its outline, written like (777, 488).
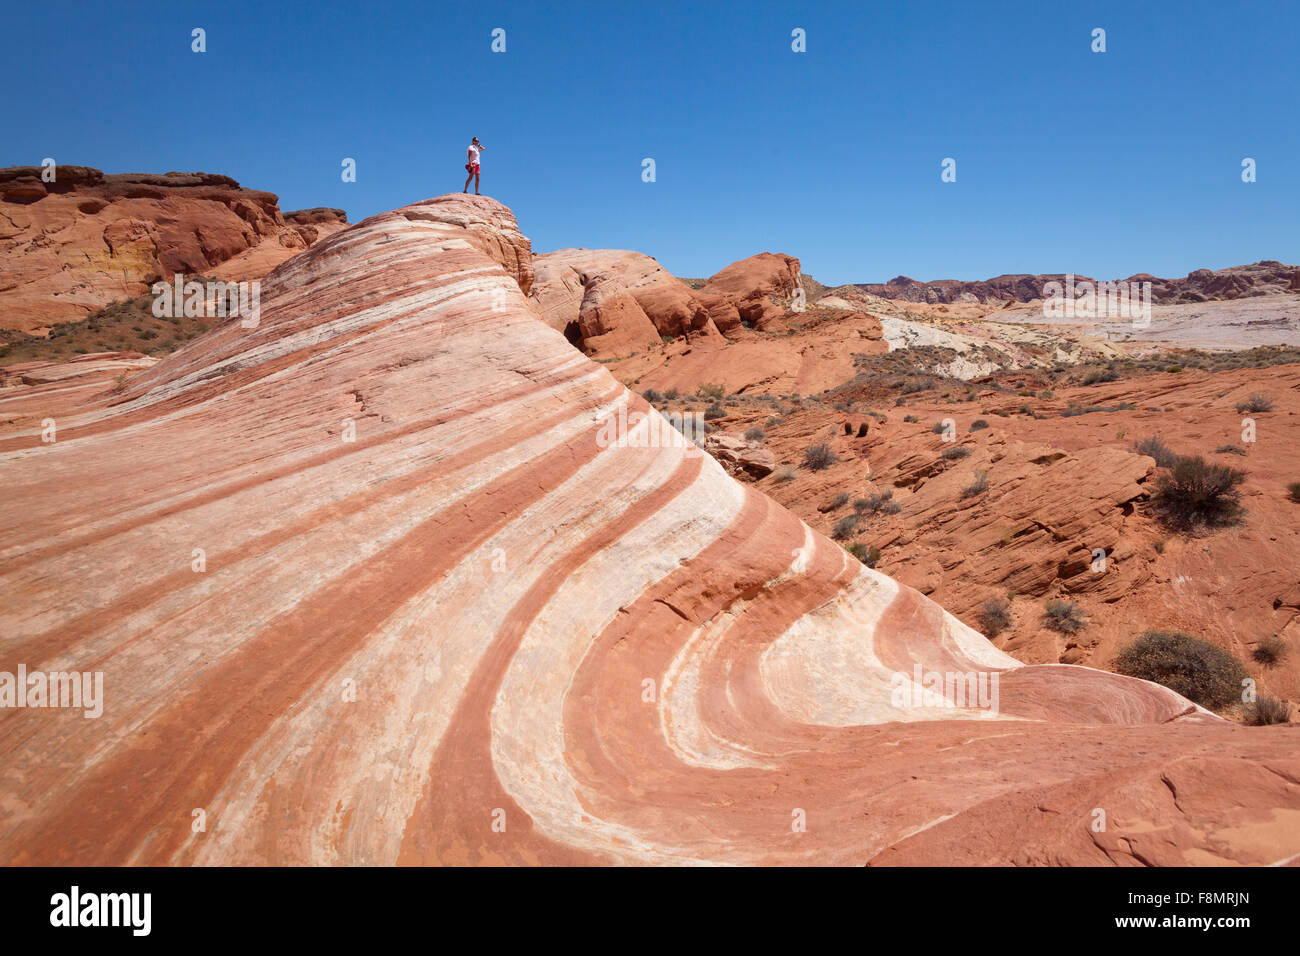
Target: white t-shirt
(473, 155)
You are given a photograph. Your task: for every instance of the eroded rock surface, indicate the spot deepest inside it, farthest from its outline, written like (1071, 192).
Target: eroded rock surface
(367, 585)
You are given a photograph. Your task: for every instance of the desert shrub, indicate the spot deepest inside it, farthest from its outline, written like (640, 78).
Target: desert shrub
(979, 485)
(878, 502)
(1293, 491)
(755, 434)
(1097, 376)
(955, 452)
(1230, 450)
(839, 501)
(1155, 448)
(672, 394)
(1197, 669)
(784, 473)
(819, 456)
(1047, 394)
(651, 396)
(845, 527)
(1195, 492)
(1173, 368)
(1026, 409)
(994, 616)
(1256, 403)
(1270, 650)
(870, 556)
(711, 390)
(910, 418)
(978, 424)
(1267, 710)
(937, 428)
(1064, 616)
(714, 411)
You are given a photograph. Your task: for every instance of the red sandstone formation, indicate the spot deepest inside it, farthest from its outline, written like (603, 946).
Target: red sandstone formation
(367, 585)
(611, 303)
(71, 246)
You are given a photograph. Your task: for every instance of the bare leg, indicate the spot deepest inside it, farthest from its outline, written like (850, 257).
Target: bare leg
(476, 184)
(467, 179)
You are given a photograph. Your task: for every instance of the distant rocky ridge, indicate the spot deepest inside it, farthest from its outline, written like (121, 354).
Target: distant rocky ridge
(86, 239)
(1267, 277)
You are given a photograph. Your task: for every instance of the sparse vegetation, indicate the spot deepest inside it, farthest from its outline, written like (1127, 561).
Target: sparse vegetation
(1270, 650)
(978, 486)
(1230, 450)
(978, 424)
(910, 418)
(955, 452)
(1293, 491)
(1195, 492)
(784, 473)
(839, 501)
(1064, 616)
(937, 428)
(672, 394)
(1256, 403)
(1197, 669)
(1155, 448)
(994, 616)
(1267, 710)
(870, 556)
(878, 502)
(846, 527)
(755, 434)
(819, 456)
(711, 390)
(651, 396)
(714, 412)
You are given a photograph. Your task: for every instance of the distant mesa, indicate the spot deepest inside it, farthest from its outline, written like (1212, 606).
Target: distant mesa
(87, 239)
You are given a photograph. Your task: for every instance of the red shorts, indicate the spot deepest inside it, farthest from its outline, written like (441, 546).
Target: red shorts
(471, 169)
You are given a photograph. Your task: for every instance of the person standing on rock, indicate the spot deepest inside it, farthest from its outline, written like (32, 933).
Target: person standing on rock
(475, 147)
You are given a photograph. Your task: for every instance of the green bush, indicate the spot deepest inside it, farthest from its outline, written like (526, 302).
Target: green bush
(868, 556)
(1064, 616)
(1197, 669)
(714, 412)
(978, 424)
(651, 396)
(672, 394)
(1194, 492)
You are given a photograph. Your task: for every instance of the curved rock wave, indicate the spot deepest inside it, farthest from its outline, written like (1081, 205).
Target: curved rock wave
(370, 583)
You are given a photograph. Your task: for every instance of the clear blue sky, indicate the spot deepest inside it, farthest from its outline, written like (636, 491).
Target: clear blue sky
(1103, 164)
